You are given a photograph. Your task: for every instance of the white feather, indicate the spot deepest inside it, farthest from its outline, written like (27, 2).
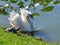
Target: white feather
(6, 5)
(37, 4)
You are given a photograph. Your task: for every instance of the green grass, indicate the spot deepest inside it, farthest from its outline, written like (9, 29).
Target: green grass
(8, 38)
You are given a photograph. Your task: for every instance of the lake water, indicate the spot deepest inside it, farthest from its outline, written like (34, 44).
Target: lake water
(47, 24)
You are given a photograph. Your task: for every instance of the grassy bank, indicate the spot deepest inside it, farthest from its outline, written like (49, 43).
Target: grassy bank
(8, 38)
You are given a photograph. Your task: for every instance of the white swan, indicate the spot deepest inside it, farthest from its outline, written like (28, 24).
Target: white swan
(23, 21)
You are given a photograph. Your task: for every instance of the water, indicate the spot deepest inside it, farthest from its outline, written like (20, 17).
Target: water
(48, 24)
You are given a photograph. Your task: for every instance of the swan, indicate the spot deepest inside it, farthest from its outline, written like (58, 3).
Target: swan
(23, 21)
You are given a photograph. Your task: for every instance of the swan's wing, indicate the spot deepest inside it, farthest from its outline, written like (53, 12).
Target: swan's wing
(10, 21)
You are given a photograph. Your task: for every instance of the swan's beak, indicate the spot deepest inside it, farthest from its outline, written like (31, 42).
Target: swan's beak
(31, 16)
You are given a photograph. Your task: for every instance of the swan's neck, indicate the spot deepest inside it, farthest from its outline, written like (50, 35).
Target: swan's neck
(23, 17)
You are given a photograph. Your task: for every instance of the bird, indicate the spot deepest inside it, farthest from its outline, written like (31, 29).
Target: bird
(23, 21)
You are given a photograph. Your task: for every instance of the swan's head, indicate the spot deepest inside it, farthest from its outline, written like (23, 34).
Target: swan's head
(24, 11)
